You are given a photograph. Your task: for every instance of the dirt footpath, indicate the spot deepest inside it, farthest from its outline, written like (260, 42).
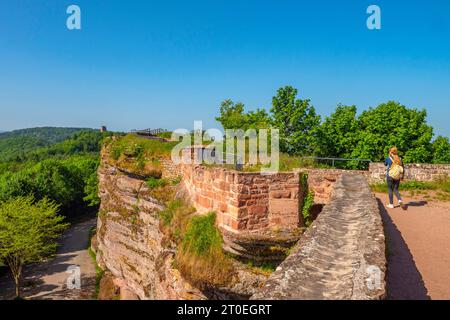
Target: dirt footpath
(418, 247)
(48, 280)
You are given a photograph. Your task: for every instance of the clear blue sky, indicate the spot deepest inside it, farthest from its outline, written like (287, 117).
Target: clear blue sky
(139, 64)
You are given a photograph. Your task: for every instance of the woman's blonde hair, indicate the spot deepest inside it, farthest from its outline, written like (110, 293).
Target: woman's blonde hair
(394, 153)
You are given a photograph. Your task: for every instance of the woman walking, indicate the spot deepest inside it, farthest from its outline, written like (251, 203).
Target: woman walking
(394, 173)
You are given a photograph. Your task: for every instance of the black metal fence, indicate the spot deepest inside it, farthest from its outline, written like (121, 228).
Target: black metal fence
(149, 132)
(340, 163)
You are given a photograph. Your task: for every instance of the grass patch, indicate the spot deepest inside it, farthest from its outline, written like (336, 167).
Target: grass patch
(175, 219)
(153, 183)
(200, 257)
(139, 155)
(99, 271)
(265, 268)
(308, 202)
(441, 186)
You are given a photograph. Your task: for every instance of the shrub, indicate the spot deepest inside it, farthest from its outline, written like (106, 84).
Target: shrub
(200, 257)
(153, 183)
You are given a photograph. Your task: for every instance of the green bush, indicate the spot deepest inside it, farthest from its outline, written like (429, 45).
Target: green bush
(200, 258)
(153, 183)
(202, 236)
(168, 213)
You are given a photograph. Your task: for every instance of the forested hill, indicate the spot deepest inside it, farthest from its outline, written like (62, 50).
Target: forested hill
(17, 143)
(59, 164)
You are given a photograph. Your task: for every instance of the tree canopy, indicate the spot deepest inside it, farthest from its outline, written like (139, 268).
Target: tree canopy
(344, 133)
(28, 232)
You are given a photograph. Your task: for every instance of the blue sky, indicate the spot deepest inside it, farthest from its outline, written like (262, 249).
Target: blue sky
(139, 64)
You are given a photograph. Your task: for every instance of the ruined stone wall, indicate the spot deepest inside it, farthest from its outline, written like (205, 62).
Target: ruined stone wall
(245, 201)
(341, 255)
(321, 182)
(415, 171)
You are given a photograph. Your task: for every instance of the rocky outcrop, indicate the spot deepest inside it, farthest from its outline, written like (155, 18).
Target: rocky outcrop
(129, 240)
(342, 254)
(135, 253)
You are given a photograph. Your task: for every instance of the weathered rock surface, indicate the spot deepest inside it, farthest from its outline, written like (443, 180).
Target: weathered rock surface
(135, 253)
(341, 256)
(129, 240)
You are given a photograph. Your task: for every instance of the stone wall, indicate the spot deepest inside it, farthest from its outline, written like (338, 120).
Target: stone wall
(245, 201)
(343, 248)
(416, 171)
(321, 182)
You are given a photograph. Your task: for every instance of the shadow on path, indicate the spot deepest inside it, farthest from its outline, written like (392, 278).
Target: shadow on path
(404, 281)
(47, 280)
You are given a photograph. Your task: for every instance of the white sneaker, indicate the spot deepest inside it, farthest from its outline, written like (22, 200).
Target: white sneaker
(390, 206)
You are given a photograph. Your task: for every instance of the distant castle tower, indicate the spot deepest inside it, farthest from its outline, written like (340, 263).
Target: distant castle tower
(103, 129)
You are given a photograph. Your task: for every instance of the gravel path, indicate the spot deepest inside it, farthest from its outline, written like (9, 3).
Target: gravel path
(48, 280)
(418, 248)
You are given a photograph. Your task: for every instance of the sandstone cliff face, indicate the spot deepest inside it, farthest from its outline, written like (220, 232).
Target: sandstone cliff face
(129, 239)
(134, 252)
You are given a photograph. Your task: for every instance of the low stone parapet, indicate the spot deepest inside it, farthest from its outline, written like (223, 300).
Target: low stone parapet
(423, 172)
(341, 255)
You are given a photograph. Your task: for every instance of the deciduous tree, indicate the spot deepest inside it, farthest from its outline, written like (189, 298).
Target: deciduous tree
(28, 233)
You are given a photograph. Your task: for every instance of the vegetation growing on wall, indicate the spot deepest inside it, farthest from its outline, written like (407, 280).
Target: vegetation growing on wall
(307, 197)
(139, 155)
(200, 257)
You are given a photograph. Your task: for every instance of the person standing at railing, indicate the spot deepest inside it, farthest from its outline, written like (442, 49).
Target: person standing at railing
(394, 173)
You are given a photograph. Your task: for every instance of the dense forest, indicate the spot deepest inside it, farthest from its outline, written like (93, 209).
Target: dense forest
(17, 143)
(55, 163)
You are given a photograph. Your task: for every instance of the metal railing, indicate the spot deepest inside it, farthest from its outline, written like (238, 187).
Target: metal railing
(336, 160)
(221, 158)
(149, 132)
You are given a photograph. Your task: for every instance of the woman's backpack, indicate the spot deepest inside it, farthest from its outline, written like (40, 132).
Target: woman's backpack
(395, 171)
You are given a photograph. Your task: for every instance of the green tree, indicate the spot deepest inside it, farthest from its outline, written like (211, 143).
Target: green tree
(339, 133)
(72, 183)
(441, 150)
(392, 124)
(28, 233)
(232, 116)
(297, 121)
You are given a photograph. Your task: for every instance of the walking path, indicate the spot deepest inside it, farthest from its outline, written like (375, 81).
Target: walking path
(418, 247)
(48, 280)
